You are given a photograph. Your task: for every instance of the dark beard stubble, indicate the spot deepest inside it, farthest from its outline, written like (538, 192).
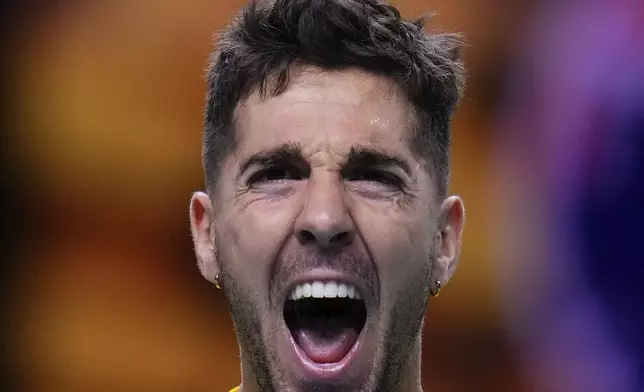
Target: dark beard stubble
(247, 325)
(406, 320)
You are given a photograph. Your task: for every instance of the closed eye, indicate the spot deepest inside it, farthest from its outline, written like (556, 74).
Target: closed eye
(275, 174)
(375, 176)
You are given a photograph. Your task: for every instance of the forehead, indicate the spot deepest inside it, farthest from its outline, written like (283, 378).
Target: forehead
(327, 110)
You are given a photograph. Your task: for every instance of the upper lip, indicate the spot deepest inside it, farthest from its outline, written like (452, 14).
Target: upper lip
(326, 275)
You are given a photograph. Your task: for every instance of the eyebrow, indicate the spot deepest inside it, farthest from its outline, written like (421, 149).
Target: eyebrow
(286, 153)
(368, 157)
(291, 153)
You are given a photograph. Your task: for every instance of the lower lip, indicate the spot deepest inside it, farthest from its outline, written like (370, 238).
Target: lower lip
(326, 371)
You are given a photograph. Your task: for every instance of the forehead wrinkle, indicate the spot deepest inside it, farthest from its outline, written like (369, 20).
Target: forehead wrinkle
(349, 87)
(335, 90)
(322, 154)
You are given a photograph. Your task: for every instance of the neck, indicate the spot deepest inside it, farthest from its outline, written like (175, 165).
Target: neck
(248, 379)
(410, 380)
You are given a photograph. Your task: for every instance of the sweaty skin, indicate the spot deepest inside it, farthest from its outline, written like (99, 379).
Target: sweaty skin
(323, 178)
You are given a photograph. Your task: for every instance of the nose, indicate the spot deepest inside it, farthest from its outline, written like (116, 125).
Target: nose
(324, 219)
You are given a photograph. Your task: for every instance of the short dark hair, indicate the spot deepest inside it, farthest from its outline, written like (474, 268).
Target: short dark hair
(257, 50)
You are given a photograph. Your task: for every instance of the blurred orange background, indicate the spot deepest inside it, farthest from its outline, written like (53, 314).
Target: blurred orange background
(106, 295)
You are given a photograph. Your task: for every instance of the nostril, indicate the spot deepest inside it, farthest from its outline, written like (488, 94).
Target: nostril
(342, 238)
(305, 237)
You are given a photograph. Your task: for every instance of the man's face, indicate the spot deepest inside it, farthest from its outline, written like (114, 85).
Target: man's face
(325, 229)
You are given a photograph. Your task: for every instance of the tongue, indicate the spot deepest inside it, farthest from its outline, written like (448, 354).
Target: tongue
(326, 340)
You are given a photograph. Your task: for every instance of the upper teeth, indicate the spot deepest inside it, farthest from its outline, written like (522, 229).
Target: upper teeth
(319, 289)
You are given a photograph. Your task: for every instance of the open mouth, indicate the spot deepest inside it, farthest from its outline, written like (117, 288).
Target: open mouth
(325, 319)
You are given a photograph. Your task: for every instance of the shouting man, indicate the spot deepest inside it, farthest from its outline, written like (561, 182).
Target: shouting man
(326, 220)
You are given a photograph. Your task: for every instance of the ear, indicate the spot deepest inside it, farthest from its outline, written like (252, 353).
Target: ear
(201, 225)
(448, 239)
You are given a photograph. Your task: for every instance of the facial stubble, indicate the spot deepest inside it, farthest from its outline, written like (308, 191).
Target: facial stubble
(396, 343)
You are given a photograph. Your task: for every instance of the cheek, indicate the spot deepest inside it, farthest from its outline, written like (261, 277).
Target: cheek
(400, 243)
(401, 255)
(250, 239)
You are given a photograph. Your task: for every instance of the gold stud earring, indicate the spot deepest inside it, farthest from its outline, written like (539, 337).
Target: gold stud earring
(217, 281)
(436, 290)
